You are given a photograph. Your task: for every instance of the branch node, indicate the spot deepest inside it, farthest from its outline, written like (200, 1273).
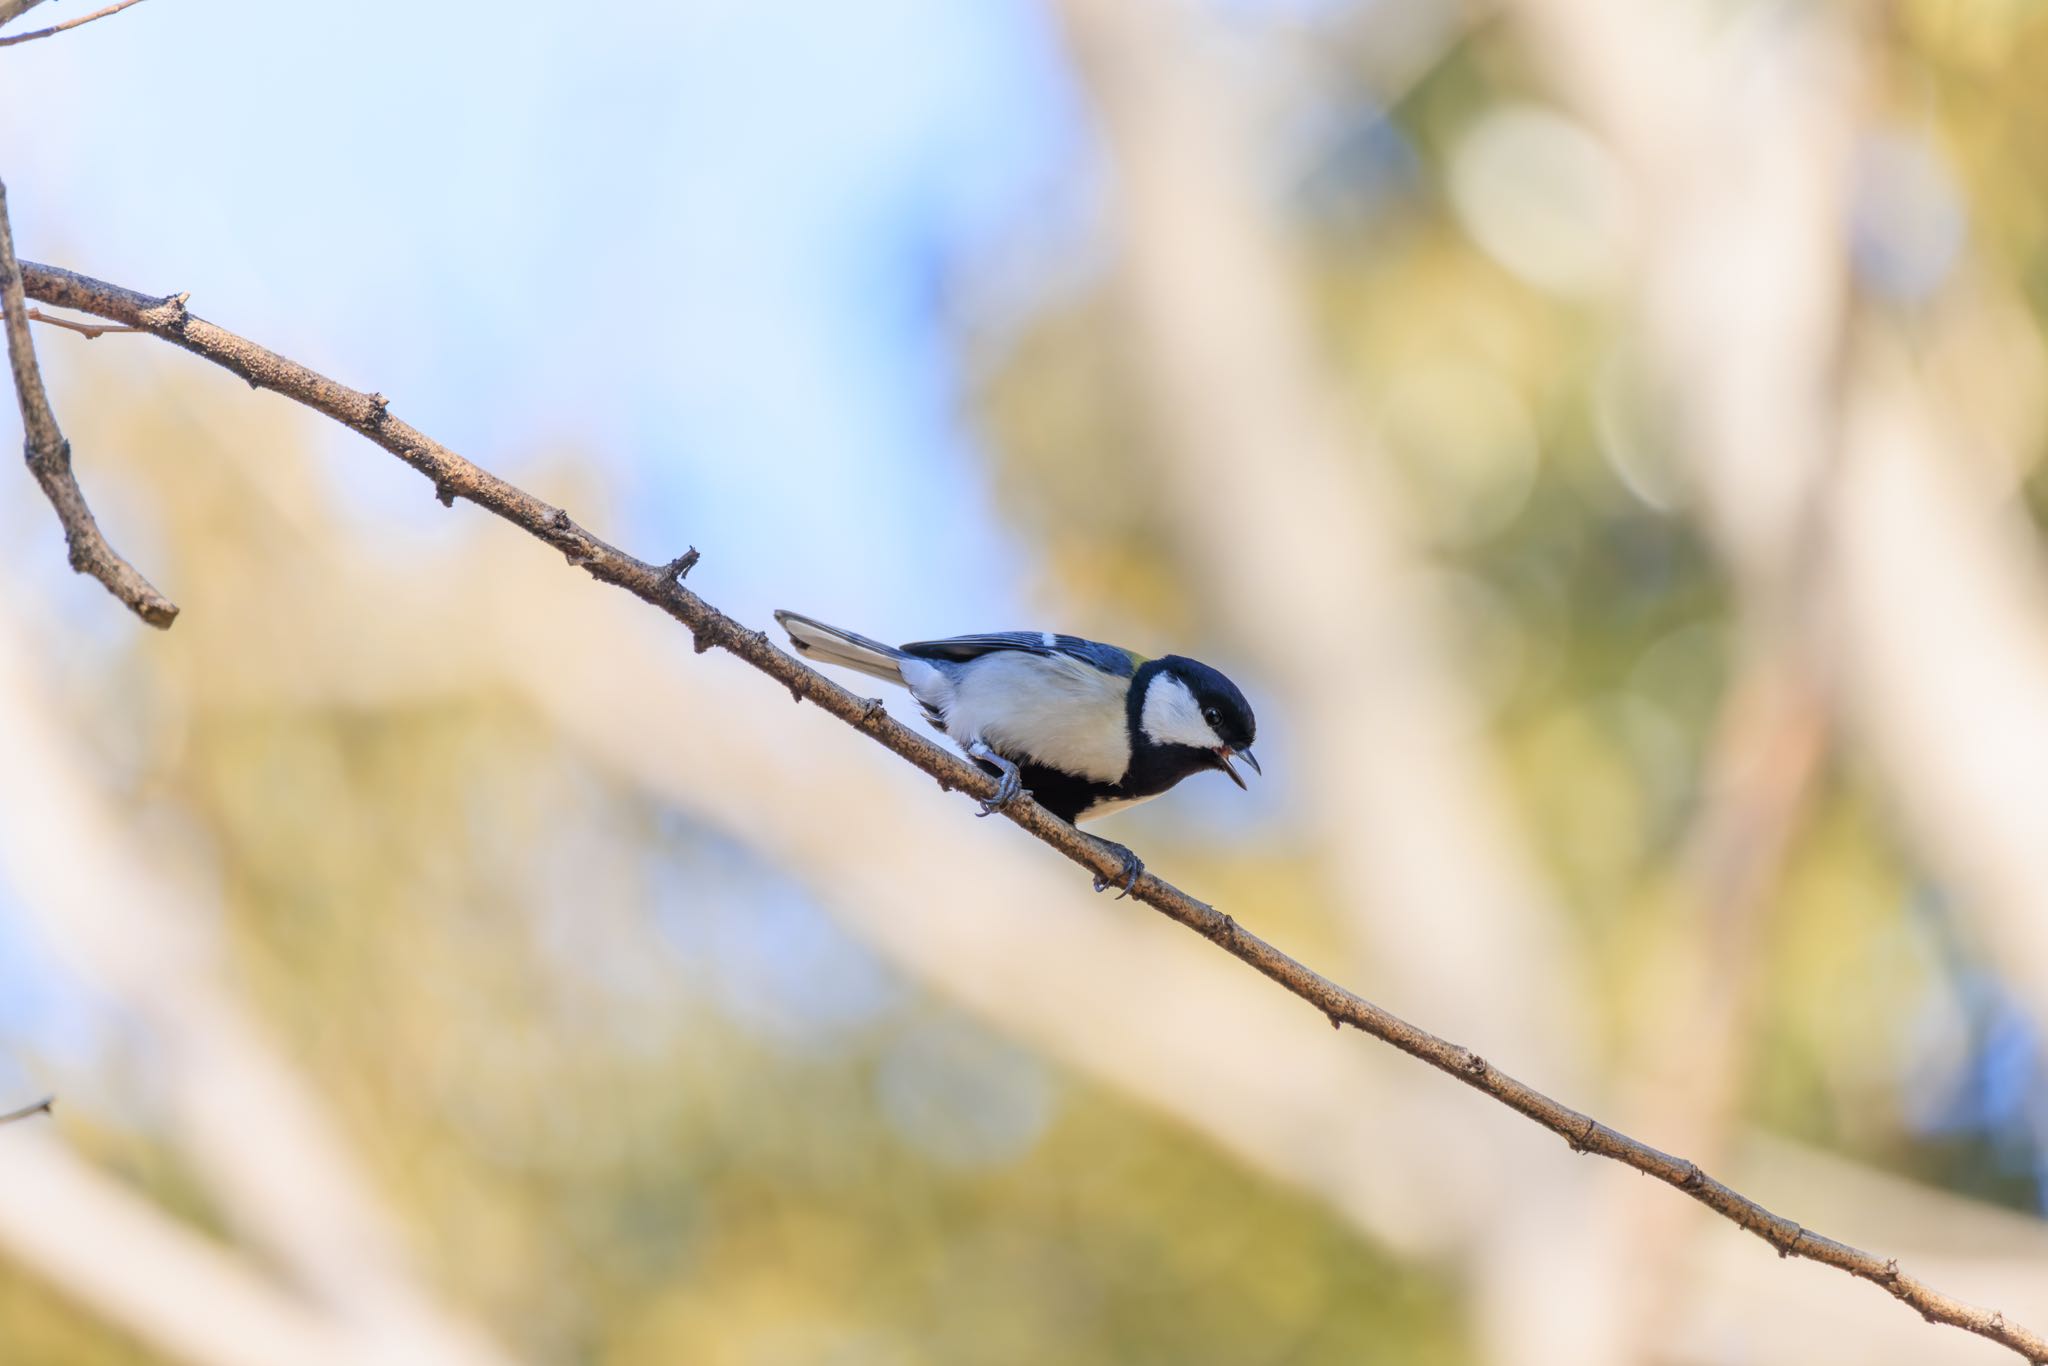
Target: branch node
(576, 552)
(679, 568)
(1476, 1065)
(380, 408)
(58, 458)
(1578, 1144)
(1693, 1177)
(445, 492)
(168, 311)
(1336, 1020)
(872, 710)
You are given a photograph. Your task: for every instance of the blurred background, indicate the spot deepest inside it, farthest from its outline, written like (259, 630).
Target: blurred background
(1604, 439)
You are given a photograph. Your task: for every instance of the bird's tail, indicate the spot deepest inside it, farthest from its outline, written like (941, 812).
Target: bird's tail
(816, 640)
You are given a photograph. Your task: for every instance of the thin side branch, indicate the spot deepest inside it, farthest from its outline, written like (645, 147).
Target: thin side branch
(85, 330)
(68, 23)
(49, 455)
(660, 586)
(41, 1107)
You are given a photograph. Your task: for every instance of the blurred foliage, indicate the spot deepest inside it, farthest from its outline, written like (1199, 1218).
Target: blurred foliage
(614, 1136)
(635, 1098)
(607, 1162)
(618, 1173)
(37, 1326)
(1593, 618)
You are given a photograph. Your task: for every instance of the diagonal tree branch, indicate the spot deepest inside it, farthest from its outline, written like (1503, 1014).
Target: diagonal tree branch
(11, 40)
(660, 585)
(49, 455)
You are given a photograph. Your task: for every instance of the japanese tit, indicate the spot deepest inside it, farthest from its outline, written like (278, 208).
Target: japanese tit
(1086, 728)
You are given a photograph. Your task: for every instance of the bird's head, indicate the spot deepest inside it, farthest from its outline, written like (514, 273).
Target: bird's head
(1190, 705)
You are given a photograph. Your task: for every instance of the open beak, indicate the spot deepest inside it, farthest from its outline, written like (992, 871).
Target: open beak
(1226, 754)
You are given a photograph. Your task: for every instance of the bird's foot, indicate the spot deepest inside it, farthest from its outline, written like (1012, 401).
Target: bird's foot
(1009, 787)
(1133, 868)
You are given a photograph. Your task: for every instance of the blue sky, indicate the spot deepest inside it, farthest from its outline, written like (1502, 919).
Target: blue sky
(716, 252)
(709, 247)
(713, 250)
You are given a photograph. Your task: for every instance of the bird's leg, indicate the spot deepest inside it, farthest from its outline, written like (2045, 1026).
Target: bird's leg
(1134, 867)
(1012, 785)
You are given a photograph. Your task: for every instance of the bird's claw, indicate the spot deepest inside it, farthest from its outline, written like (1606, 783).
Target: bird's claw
(1008, 789)
(1133, 869)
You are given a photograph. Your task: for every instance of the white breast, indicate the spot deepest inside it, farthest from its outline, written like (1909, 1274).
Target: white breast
(1058, 711)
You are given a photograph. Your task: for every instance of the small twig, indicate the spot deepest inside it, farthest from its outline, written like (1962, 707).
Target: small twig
(655, 585)
(68, 23)
(49, 454)
(41, 1107)
(85, 330)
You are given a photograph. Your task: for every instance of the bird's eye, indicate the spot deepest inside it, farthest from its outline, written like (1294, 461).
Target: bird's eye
(1211, 715)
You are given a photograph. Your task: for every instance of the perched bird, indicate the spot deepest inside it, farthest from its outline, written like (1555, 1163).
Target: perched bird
(1085, 728)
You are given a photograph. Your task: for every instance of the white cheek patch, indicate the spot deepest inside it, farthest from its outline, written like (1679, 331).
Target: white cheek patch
(1171, 716)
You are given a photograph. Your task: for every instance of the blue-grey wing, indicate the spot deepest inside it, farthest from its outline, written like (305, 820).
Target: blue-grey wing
(1110, 659)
